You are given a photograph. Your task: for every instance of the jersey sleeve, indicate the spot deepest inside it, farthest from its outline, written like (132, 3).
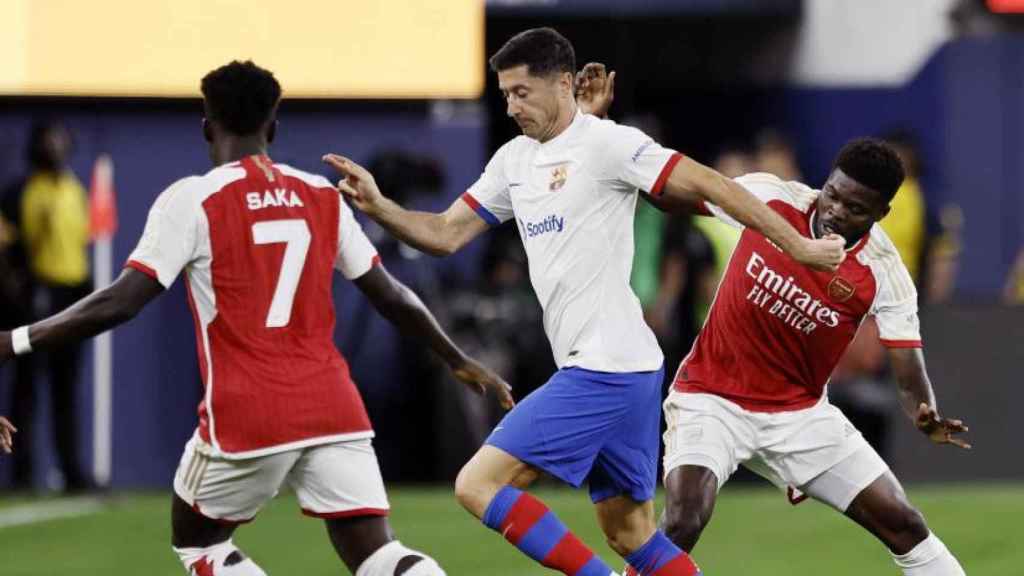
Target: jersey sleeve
(895, 306)
(168, 243)
(489, 196)
(356, 254)
(634, 158)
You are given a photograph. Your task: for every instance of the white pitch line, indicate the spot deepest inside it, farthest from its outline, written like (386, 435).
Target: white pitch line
(45, 511)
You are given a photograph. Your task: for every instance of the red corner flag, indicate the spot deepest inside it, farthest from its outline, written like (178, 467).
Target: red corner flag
(102, 202)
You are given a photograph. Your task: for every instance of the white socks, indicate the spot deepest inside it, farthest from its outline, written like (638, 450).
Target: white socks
(210, 561)
(386, 558)
(929, 558)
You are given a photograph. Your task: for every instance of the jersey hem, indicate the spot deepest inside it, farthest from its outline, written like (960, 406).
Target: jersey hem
(744, 403)
(306, 443)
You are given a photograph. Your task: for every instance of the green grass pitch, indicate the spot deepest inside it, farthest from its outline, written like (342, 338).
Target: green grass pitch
(753, 532)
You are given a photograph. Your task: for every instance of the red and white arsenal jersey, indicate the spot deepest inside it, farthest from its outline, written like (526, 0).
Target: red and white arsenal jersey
(259, 243)
(777, 329)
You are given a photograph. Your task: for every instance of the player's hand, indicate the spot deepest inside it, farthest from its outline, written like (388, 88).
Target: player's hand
(940, 430)
(7, 431)
(824, 254)
(357, 184)
(479, 378)
(595, 89)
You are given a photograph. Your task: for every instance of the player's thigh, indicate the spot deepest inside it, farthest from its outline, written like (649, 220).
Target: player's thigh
(819, 452)
(339, 480)
(839, 485)
(560, 427)
(627, 464)
(222, 491)
(708, 432)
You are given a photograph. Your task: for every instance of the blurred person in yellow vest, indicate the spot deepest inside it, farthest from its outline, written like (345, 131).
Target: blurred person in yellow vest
(1014, 291)
(49, 215)
(905, 224)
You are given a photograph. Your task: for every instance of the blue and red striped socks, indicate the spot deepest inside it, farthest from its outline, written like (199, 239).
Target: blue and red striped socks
(528, 524)
(660, 557)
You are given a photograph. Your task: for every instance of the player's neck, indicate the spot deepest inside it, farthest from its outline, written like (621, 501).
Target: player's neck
(233, 149)
(566, 115)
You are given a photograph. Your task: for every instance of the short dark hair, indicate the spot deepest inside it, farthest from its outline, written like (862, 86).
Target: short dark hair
(241, 96)
(873, 163)
(542, 50)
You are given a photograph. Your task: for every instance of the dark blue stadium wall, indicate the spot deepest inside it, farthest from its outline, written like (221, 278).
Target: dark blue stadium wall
(967, 107)
(156, 386)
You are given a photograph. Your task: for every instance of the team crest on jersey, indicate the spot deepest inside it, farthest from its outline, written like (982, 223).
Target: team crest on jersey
(840, 289)
(558, 177)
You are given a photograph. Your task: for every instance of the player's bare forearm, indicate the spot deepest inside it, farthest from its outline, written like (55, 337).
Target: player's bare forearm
(691, 182)
(918, 399)
(97, 312)
(403, 308)
(912, 380)
(424, 231)
(436, 234)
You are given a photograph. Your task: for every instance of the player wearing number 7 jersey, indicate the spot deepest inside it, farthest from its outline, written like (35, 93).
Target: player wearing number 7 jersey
(259, 243)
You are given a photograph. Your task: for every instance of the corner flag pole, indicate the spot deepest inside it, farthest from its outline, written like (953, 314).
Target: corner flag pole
(103, 222)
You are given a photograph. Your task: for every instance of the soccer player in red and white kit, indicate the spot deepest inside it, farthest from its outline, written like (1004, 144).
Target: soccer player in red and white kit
(259, 243)
(752, 390)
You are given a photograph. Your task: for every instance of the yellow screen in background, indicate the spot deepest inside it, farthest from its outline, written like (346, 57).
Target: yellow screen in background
(317, 49)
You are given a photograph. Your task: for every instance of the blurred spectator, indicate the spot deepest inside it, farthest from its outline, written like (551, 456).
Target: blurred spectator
(1014, 291)
(775, 154)
(499, 322)
(943, 256)
(905, 224)
(49, 213)
(687, 268)
(732, 161)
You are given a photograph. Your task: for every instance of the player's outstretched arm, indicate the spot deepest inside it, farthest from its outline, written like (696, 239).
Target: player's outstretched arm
(96, 313)
(437, 234)
(691, 182)
(918, 398)
(402, 307)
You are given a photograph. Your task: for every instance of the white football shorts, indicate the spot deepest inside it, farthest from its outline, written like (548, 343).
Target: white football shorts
(336, 480)
(815, 451)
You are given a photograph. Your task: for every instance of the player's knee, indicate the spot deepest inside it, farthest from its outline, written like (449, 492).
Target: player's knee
(223, 559)
(471, 491)
(910, 525)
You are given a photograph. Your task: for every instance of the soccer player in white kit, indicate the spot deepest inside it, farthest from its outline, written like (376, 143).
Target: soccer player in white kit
(571, 183)
(259, 243)
(752, 389)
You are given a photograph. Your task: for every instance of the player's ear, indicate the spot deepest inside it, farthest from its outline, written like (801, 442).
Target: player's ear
(207, 131)
(271, 131)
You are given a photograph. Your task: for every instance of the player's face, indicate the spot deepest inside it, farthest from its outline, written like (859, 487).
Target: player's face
(848, 208)
(535, 102)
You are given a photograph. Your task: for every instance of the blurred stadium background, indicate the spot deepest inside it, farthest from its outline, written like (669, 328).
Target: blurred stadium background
(744, 85)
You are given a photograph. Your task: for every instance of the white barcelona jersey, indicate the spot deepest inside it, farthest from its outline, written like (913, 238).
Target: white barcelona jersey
(573, 199)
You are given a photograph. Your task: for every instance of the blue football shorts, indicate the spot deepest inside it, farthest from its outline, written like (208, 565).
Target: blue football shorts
(601, 427)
